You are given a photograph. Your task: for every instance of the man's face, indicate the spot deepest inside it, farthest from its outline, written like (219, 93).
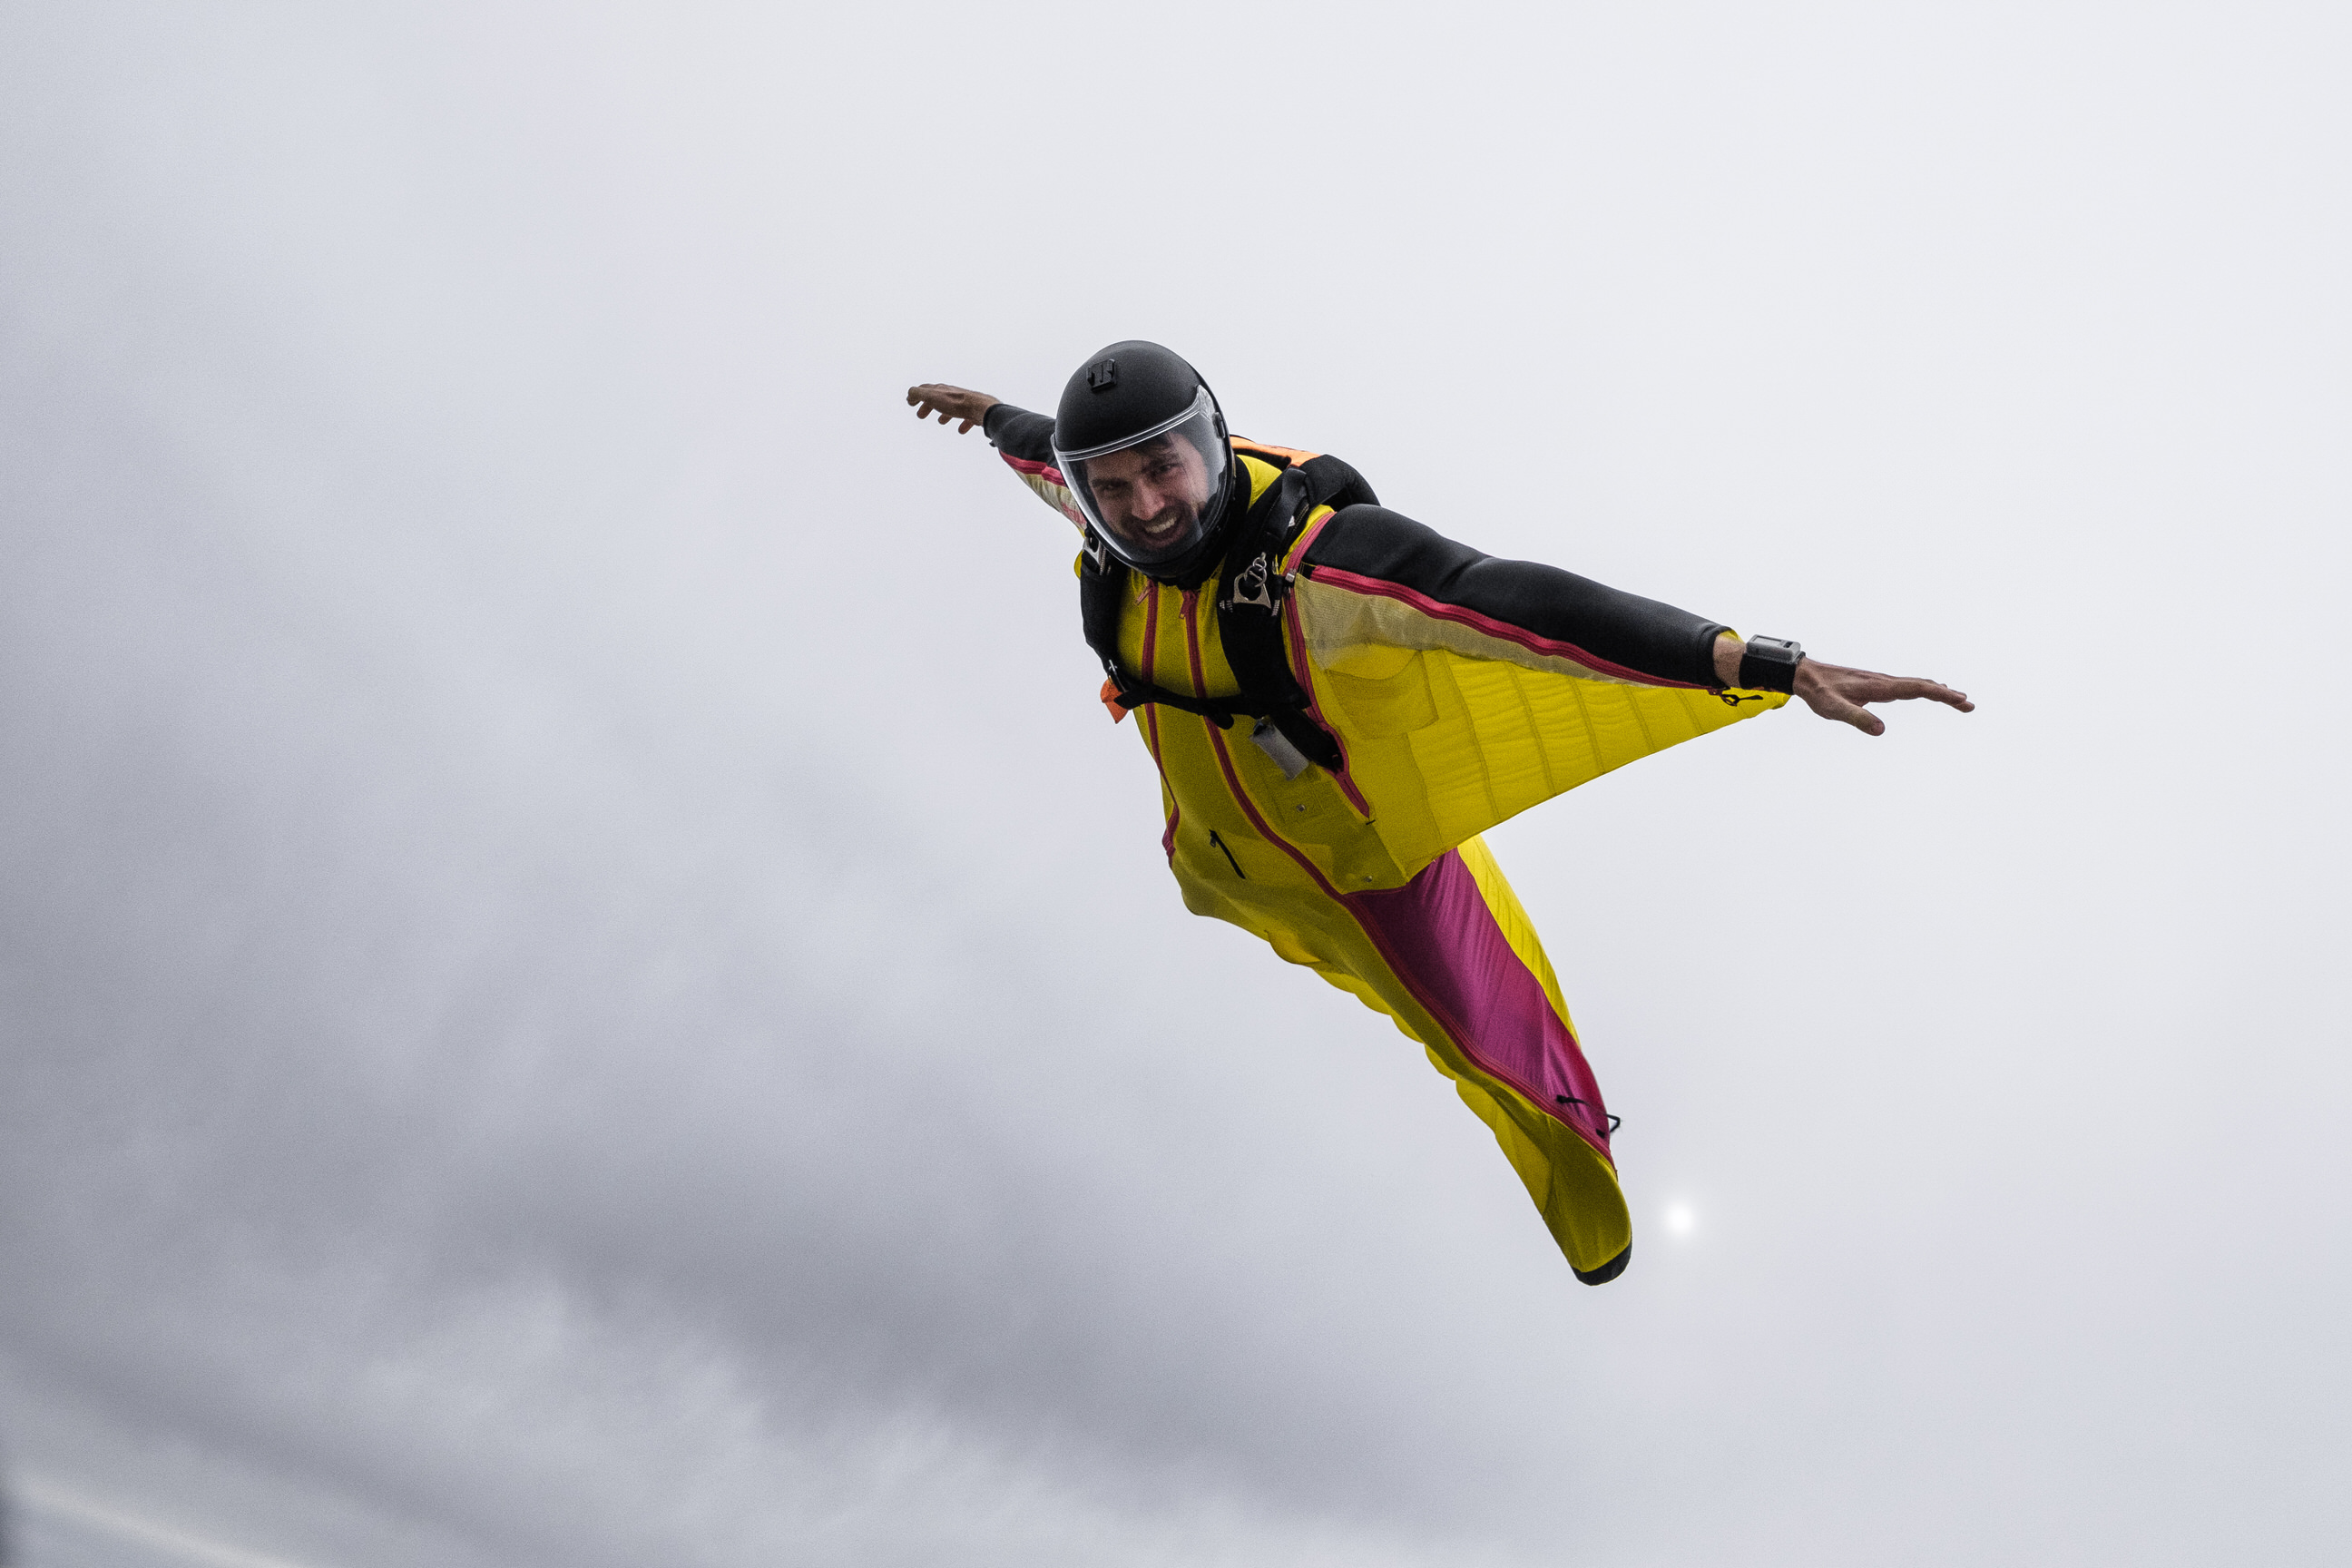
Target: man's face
(1150, 495)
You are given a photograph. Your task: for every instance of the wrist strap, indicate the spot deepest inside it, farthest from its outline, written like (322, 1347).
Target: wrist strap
(1769, 664)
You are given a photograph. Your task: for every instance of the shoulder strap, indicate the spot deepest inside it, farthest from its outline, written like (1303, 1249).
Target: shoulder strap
(1102, 582)
(1249, 616)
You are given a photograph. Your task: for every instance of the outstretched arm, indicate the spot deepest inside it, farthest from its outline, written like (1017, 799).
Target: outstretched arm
(1025, 440)
(951, 403)
(1833, 692)
(1522, 604)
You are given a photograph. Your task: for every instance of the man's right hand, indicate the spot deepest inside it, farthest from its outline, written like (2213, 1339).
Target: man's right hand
(951, 403)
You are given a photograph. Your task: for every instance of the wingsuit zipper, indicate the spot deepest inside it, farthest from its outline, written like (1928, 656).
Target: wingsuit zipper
(1229, 856)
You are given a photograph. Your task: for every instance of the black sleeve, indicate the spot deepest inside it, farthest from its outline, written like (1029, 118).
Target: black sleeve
(1018, 432)
(1642, 635)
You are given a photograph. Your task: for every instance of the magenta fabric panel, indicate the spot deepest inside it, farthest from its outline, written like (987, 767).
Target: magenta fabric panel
(1443, 943)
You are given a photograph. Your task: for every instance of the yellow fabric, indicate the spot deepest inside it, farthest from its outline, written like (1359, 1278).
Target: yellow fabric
(1447, 732)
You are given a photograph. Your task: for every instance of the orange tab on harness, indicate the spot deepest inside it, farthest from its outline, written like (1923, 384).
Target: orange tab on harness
(1110, 701)
(1291, 455)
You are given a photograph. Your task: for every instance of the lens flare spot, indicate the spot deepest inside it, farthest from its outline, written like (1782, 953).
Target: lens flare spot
(1680, 1220)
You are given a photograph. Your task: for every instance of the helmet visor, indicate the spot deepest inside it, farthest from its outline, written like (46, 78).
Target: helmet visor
(1152, 497)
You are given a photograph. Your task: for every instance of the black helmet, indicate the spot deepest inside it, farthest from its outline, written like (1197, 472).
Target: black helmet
(1140, 441)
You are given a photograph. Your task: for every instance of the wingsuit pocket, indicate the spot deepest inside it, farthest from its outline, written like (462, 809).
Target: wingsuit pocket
(1391, 703)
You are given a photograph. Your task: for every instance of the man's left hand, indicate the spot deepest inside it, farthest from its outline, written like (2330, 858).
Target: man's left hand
(1833, 692)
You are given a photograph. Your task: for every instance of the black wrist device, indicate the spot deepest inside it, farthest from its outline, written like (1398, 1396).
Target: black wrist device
(1769, 664)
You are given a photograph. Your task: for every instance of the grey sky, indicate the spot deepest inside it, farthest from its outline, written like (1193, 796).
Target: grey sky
(584, 982)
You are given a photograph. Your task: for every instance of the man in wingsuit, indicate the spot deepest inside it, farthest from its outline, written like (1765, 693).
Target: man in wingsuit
(1340, 701)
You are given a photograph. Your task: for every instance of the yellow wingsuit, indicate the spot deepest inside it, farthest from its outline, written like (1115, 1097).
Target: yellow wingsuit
(1449, 721)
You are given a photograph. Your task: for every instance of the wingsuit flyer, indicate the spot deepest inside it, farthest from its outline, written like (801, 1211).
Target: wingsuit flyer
(1339, 701)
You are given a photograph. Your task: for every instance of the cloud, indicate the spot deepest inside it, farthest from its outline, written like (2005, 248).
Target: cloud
(583, 981)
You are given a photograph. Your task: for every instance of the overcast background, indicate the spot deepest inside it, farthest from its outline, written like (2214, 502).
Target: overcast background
(585, 982)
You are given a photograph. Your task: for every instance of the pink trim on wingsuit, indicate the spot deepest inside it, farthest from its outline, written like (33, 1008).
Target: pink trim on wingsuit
(1304, 674)
(1042, 478)
(1441, 938)
(1193, 645)
(1045, 472)
(1307, 540)
(1150, 653)
(1433, 608)
(1151, 720)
